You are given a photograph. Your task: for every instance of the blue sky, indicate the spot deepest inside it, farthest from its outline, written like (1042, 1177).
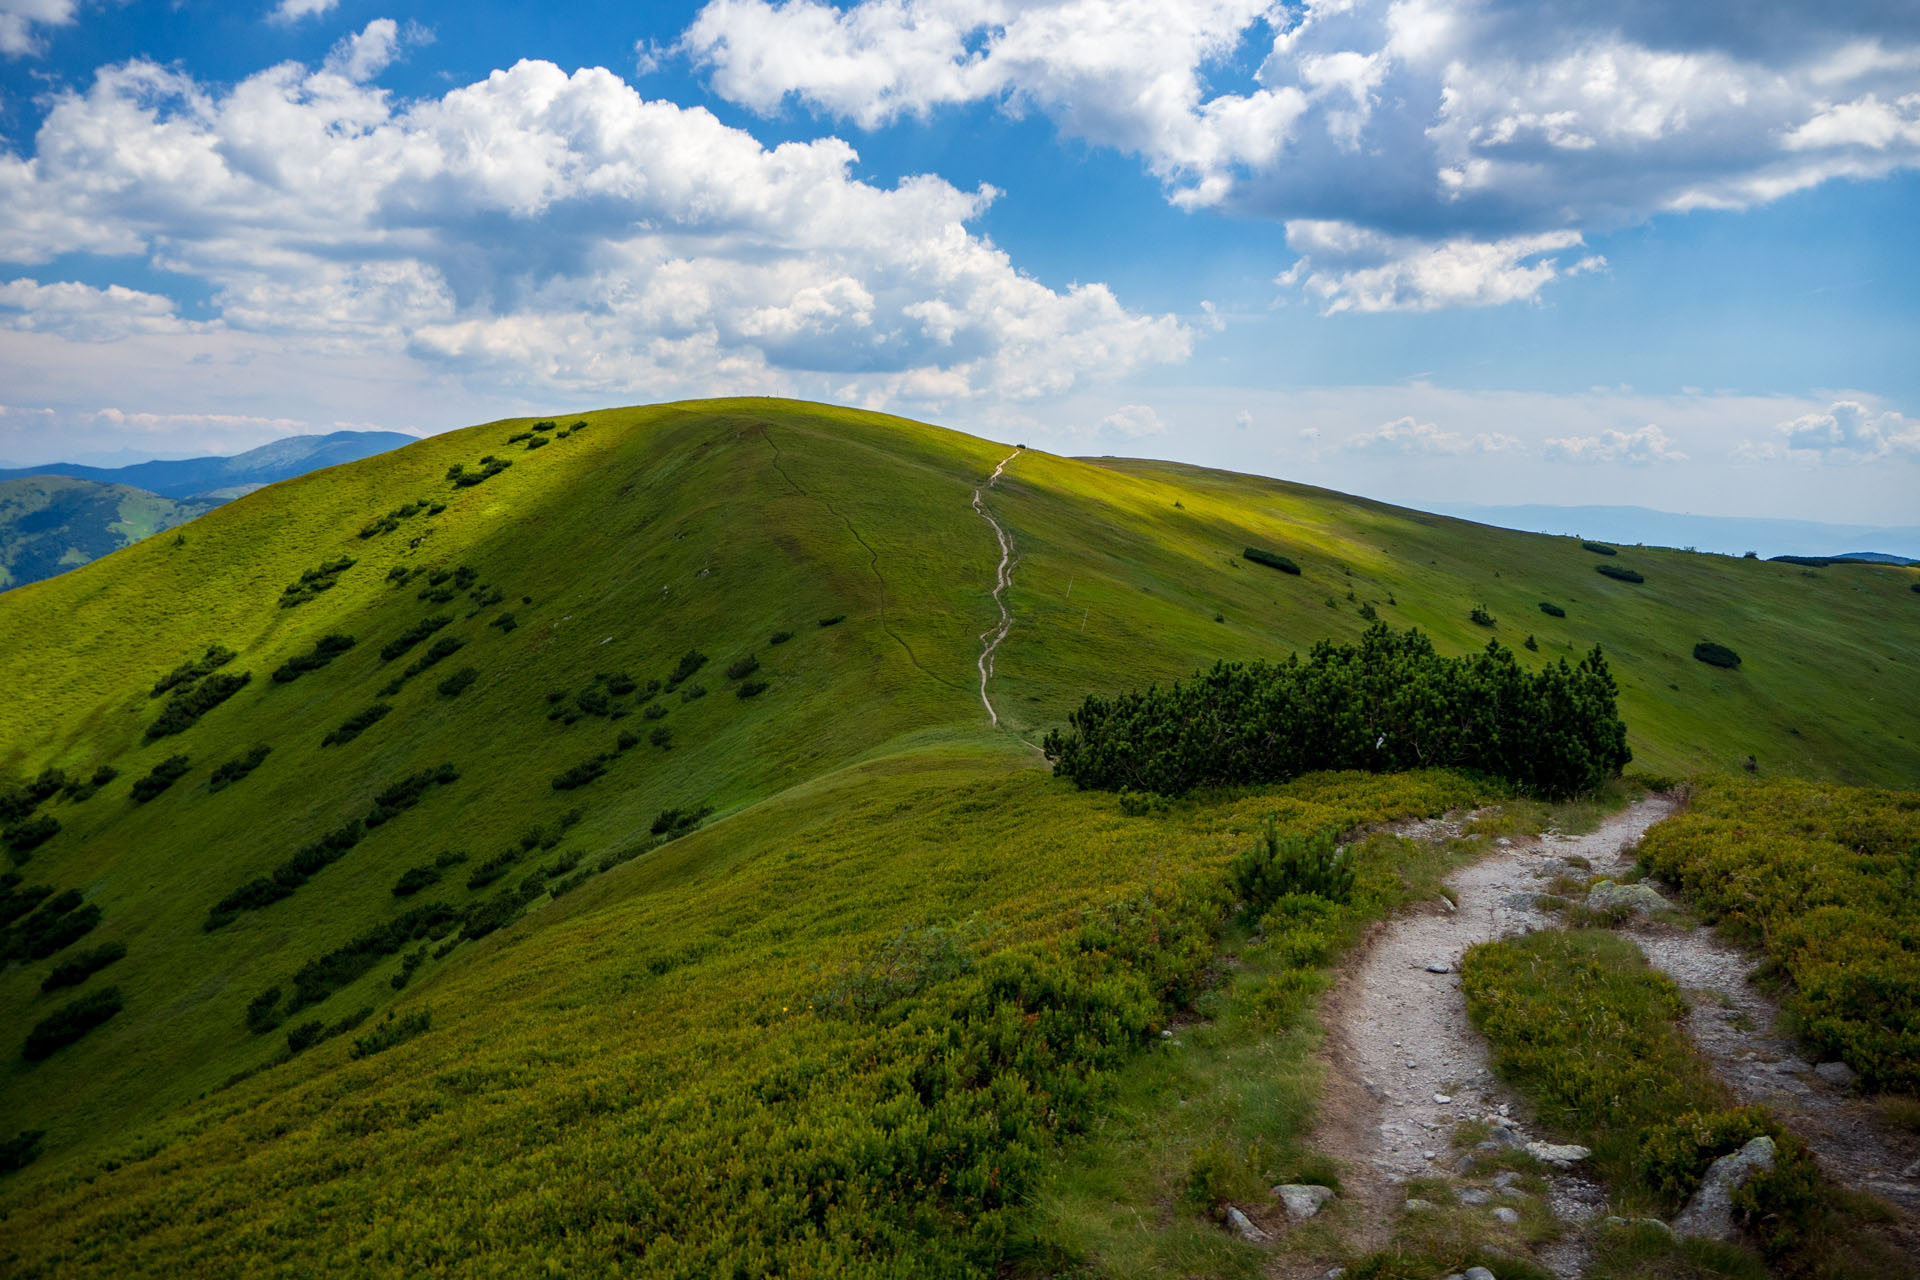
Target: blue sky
(1426, 250)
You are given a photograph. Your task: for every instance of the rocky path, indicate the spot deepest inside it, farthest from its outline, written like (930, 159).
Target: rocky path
(1003, 578)
(1404, 1065)
(1734, 1024)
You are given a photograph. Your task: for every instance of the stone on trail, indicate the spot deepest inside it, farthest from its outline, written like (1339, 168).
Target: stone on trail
(1303, 1200)
(1558, 1155)
(1507, 1215)
(1438, 967)
(1475, 1195)
(1476, 1273)
(1243, 1227)
(1639, 899)
(1709, 1215)
(1837, 1074)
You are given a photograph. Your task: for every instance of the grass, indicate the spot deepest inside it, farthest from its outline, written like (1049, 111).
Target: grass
(1823, 880)
(1589, 1032)
(861, 794)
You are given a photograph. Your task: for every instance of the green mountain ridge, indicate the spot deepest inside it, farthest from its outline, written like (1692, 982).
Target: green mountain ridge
(681, 893)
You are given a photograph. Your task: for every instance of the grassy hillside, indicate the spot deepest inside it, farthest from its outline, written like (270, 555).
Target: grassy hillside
(49, 524)
(857, 802)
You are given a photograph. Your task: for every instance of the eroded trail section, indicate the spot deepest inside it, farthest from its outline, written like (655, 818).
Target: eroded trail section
(1734, 1024)
(1404, 1064)
(1003, 578)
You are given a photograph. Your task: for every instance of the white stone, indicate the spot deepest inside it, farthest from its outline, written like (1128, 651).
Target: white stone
(1557, 1154)
(1243, 1227)
(1414, 1206)
(1709, 1215)
(1442, 1099)
(1504, 1214)
(1837, 1074)
(1303, 1200)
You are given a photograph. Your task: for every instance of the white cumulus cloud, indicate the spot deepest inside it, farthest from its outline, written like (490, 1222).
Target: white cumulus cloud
(1846, 431)
(18, 18)
(543, 231)
(1646, 445)
(294, 10)
(1455, 132)
(1405, 437)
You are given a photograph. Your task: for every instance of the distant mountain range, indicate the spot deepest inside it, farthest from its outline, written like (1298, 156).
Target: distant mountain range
(64, 514)
(1725, 535)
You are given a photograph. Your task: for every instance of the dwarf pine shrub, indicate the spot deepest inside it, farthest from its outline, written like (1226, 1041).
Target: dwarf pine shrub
(690, 662)
(834, 621)
(1386, 704)
(193, 669)
(1599, 548)
(1716, 655)
(190, 702)
(1552, 610)
(22, 838)
(457, 683)
(356, 725)
(1618, 574)
(159, 778)
(325, 650)
(238, 767)
(1271, 559)
(1479, 616)
(70, 1022)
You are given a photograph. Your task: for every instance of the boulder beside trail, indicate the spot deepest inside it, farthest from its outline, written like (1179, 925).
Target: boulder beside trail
(1639, 899)
(1709, 1215)
(1303, 1200)
(1242, 1226)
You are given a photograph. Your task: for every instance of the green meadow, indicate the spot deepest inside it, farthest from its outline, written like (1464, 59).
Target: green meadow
(740, 942)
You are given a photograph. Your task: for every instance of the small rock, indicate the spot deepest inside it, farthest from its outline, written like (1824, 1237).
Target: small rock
(1505, 1180)
(1437, 967)
(1442, 1099)
(1166, 1035)
(1506, 1215)
(1243, 1227)
(1475, 1195)
(1912, 1170)
(1477, 1273)
(1639, 899)
(1837, 1074)
(1504, 843)
(1428, 1155)
(1709, 1215)
(1506, 1137)
(1303, 1200)
(1557, 1154)
(1520, 901)
(1415, 1206)
(1486, 1146)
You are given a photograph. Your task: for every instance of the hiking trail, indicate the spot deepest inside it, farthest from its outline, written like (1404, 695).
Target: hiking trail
(990, 638)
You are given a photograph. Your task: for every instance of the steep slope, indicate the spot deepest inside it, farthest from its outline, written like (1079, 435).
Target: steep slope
(50, 524)
(862, 792)
(188, 477)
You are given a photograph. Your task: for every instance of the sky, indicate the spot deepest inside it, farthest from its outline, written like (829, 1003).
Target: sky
(1478, 251)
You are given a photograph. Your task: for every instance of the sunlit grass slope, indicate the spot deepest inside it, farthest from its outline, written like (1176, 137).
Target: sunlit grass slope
(861, 793)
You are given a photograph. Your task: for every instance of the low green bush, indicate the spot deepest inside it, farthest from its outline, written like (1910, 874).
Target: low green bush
(320, 977)
(1530, 644)
(77, 970)
(662, 738)
(56, 923)
(490, 467)
(159, 778)
(314, 581)
(238, 767)
(1552, 610)
(21, 1150)
(22, 838)
(189, 703)
(356, 725)
(78, 790)
(1278, 865)
(677, 822)
(693, 692)
(457, 683)
(391, 1032)
(1716, 655)
(193, 669)
(690, 662)
(1271, 559)
(414, 879)
(1479, 616)
(780, 637)
(581, 774)
(413, 635)
(313, 1032)
(743, 668)
(834, 621)
(505, 622)
(325, 650)
(408, 792)
(70, 1022)
(266, 890)
(1617, 573)
(751, 689)
(1599, 548)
